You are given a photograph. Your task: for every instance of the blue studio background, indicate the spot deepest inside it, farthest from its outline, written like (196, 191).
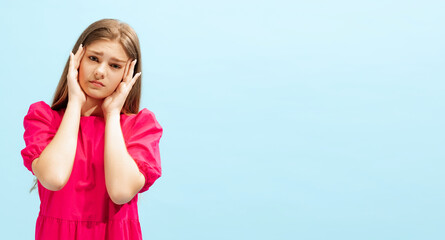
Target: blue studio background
(282, 119)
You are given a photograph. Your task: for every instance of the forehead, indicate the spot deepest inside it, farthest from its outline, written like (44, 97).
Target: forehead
(108, 48)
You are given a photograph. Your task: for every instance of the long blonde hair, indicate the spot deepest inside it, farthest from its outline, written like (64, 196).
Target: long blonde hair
(109, 29)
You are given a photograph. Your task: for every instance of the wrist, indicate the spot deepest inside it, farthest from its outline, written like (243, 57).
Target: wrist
(75, 102)
(112, 115)
(74, 105)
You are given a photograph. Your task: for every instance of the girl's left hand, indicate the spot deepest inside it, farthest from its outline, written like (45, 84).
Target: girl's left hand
(113, 104)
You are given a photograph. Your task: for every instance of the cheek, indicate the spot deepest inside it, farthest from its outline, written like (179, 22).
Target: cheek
(83, 70)
(114, 80)
(81, 73)
(117, 77)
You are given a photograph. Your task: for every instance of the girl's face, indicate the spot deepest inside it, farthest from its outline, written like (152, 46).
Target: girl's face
(102, 68)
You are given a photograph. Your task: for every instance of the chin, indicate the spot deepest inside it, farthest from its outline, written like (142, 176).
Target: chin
(96, 96)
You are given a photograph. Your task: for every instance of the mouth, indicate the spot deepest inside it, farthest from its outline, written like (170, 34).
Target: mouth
(97, 83)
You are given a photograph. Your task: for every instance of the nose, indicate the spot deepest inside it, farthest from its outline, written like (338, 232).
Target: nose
(99, 73)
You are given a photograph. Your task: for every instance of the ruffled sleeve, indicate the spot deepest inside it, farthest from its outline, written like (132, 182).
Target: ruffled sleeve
(39, 131)
(142, 143)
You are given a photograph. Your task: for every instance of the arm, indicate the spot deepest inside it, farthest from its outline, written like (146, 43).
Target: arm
(122, 176)
(53, 166)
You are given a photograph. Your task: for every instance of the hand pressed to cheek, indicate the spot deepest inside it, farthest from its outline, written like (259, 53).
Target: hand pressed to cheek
(75, 92)
(127, 67)
(129, 79)
(115, 102)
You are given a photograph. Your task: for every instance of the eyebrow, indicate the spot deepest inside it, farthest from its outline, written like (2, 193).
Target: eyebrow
(112, 58)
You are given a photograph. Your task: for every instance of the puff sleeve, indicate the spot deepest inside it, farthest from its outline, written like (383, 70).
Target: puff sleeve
(39, 131)
(142, 144)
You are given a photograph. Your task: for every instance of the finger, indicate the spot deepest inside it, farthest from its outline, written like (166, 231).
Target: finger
(81, 57)
(127, 66)
(125, 87)
(78, 57)
(131, 70)
(134, 79)
(71, 64)
(79, 49)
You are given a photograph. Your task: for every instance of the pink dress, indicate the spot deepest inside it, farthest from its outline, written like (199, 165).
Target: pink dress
(82, 209)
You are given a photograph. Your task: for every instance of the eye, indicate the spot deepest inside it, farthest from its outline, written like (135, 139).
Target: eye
(93, 58)
(115, 66)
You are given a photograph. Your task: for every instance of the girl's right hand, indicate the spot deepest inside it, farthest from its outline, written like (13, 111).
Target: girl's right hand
(75, 92)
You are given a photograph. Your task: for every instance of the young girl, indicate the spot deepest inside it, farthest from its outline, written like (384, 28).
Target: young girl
(93, 151)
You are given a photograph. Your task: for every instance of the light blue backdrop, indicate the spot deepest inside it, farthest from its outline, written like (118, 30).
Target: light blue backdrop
(282, 119)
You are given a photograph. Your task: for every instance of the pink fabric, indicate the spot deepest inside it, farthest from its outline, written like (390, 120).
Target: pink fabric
(83, 209)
